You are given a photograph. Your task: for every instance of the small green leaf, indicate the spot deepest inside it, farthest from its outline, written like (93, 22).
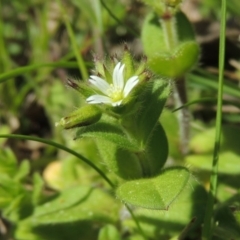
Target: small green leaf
(8, 162)
(109, 232)
(9, 190)
(155, 193)
(38, 185)
(23, 170)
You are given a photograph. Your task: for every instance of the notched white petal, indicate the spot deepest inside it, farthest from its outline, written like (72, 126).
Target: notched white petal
(119, 81)
(115, 71)
(130, 84)
(100, 83)
(96, 99)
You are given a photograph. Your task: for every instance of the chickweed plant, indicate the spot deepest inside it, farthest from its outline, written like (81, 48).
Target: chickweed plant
(129, 162)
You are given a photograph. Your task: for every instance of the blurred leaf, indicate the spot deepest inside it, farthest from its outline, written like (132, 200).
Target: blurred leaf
(228, 162)
(208, 81)
(38, 185)
(84, 230)
(8, 162)
(109, 232)
(23, 170)
(9, 190)
(77, 203)
(227, 227)
(155, 193)
(203, 143)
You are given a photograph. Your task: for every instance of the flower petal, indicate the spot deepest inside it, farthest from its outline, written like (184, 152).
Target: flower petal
(100, 83)
(95, 99)
(118, 80)
(130, 84)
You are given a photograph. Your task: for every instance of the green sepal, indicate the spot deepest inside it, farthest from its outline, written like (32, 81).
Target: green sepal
(177, 63)
(127, 59)
(83, 116)
(155, 193)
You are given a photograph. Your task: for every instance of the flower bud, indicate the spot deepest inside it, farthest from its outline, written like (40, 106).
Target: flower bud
(83, 116)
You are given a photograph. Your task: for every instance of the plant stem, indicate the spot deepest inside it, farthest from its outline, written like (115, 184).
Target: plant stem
(60, 146)
(207, 227)
(168, 24)
(169, 32)
(57, 145)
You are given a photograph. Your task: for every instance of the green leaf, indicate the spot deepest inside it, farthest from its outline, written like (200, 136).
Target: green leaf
(155, 193)
(169, 122)
(78, 203)
(190, 204)
(9, 190)
(120, 161)
(38, 185)
(153, 102)
(176, 63)
(104, 130)
(64, 200)
(153, 36)
(23, 170)
(8, 162)
(156, 150)
(109, 232)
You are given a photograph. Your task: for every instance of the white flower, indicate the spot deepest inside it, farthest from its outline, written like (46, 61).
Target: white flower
(112, 93)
